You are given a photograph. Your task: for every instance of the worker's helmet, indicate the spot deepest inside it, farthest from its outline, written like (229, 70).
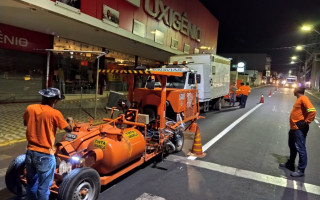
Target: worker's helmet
(52, 93)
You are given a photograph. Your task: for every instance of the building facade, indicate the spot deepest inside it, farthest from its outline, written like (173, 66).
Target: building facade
(134, 32)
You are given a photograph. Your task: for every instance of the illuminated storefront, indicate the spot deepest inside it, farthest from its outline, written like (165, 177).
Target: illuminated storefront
(135, 32)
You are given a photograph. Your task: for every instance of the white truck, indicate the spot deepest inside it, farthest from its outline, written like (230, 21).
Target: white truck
(291, 82)
(214, 72)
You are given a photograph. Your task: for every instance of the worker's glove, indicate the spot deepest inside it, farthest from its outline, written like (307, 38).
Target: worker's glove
(302, 124)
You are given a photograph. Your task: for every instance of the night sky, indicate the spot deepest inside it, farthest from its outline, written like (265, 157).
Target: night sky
(263, 26)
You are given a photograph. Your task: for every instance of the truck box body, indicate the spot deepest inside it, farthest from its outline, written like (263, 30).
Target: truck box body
(215, 74)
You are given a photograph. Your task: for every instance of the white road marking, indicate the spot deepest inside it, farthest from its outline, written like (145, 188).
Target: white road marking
(312, 94)
(3, 172)
(264, 178)
(225, 131)
(3, 157)
(146, 196)
(316, 121)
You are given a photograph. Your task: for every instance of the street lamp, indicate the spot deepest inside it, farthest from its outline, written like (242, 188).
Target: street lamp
(294, 58)
(309, 28)
(300, 48)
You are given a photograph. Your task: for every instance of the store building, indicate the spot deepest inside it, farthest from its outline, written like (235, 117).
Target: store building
(135, 32)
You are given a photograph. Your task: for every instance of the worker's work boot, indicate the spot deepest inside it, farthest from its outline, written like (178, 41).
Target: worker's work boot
(288, 166)
(297, 173)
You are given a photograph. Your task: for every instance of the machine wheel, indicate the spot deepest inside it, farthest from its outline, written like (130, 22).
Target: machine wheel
(81, 183)
(179, 141)
(13, 176)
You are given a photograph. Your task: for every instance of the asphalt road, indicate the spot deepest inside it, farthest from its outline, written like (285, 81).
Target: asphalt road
(243, 149)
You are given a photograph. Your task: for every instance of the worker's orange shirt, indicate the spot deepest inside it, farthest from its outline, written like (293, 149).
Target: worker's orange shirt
(42, 122)
(246, 89)
(302, 110)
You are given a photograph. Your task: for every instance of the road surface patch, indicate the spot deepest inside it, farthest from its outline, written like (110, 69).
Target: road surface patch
(225, 131)
(146, 196)
(264, 178)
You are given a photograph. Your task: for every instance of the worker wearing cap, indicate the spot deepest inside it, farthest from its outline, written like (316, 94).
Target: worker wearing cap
(42, 121)
(302, 114)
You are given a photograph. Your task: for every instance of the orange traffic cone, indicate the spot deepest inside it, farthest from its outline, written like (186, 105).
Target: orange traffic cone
(262, 99)
(276, 88)
(197, 146)
(270, 94)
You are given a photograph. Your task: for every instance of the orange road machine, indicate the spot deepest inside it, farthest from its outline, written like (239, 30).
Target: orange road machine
(91, 156)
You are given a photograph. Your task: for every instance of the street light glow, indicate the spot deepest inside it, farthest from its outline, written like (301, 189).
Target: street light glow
(292, 62)
(294, 58)
(299, 48)
(306, 28)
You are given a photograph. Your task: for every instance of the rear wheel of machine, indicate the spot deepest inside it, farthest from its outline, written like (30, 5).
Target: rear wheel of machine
(81, 183)
(13, 175)
(179, 141)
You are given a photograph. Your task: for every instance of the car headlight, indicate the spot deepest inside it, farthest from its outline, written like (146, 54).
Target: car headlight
(294, 85)
(283, 82)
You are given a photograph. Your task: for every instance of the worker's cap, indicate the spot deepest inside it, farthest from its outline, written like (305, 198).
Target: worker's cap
(52, 93)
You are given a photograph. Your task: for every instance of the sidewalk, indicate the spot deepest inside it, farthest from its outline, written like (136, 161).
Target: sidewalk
(12, 129)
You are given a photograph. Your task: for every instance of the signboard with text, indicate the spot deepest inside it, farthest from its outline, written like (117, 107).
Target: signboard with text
(23, 40)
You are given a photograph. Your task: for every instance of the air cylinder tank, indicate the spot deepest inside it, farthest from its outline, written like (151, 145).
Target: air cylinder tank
(118, 148)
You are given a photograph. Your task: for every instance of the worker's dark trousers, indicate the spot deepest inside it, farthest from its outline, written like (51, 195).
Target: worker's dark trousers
(297, 144)
(243, 100)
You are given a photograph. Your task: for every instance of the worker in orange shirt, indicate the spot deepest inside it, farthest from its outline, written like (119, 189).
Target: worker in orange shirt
(244, 91)
(302, 114)
(42, 121)
(232, 92)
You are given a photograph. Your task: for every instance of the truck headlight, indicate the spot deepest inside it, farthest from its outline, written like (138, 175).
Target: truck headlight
(65, 167)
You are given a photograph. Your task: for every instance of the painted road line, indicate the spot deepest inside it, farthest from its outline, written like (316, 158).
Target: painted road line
(264, 178)
(225, 131)
(146, 196)
(3, 172)
(312, 94)
(316, 121)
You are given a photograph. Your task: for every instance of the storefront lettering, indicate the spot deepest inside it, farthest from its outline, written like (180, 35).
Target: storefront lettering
(13, 40)
(172, 19)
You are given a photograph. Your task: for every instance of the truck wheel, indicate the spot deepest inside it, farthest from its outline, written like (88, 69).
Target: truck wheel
(206, 106)
(179, 141)
(80, 183)
(218, 104)
(13, 175)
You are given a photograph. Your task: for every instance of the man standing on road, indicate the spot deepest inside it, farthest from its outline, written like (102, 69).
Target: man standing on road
(42, 121)
(232, 91)
(302, 114)
(245, 91)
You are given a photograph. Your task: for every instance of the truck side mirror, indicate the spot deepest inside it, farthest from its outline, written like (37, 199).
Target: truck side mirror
(191, 79)
(198, 77)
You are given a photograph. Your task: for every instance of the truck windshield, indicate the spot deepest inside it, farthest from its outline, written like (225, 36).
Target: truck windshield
(174, 81)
